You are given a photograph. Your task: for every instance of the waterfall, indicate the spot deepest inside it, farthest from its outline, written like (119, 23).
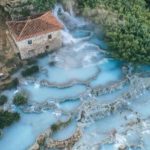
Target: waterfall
(56, 10)
(69, 21)
(37, 85)
(67, 37)
(71, 9)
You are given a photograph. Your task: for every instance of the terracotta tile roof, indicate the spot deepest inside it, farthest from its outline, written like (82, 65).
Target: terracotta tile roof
(33, 27)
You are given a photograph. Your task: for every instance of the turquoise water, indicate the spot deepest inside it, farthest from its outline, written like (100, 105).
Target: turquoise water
(66, 132)
(40, 94)
(22, 134)
(76, 70)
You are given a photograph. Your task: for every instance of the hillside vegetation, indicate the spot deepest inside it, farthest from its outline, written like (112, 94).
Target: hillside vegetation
(128, 35)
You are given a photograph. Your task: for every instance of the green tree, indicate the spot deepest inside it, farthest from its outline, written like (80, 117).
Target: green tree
(129, 37)
(30, 71)
(3, 99)
(43, 5)
(7, 118)
(20, 99)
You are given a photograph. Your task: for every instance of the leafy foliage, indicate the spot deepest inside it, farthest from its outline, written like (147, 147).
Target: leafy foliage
(43, 5)
(30, 71)
(148, 3)
(129, 37)
(20, 99)
(3, 99)
(84, 3)
(7, 118)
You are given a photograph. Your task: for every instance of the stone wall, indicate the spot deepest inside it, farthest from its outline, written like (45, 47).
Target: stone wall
(65, 143)
(44, 141)
(40, 44)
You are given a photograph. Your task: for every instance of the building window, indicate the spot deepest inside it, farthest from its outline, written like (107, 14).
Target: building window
(47, 47)
(50, 36)
(29, 42)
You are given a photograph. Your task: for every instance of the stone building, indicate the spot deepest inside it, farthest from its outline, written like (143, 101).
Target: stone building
(35, 35)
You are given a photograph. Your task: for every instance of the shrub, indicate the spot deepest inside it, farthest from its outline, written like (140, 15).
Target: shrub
(3, 100)
(128, 37)
(30, 71)
(20, 99)
(43, 5)
(25, 12)
(90, 3)
(7, 118)
(14, 83)
(54, 127)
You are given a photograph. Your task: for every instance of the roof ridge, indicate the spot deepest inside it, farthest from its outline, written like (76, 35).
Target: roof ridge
(41, 17)
(48, 12)
(24, 28)
(30, 27)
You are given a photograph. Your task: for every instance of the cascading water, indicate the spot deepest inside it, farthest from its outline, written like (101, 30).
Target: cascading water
(69, 21)
(82, 52)
(79, 81)
(67, 37)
